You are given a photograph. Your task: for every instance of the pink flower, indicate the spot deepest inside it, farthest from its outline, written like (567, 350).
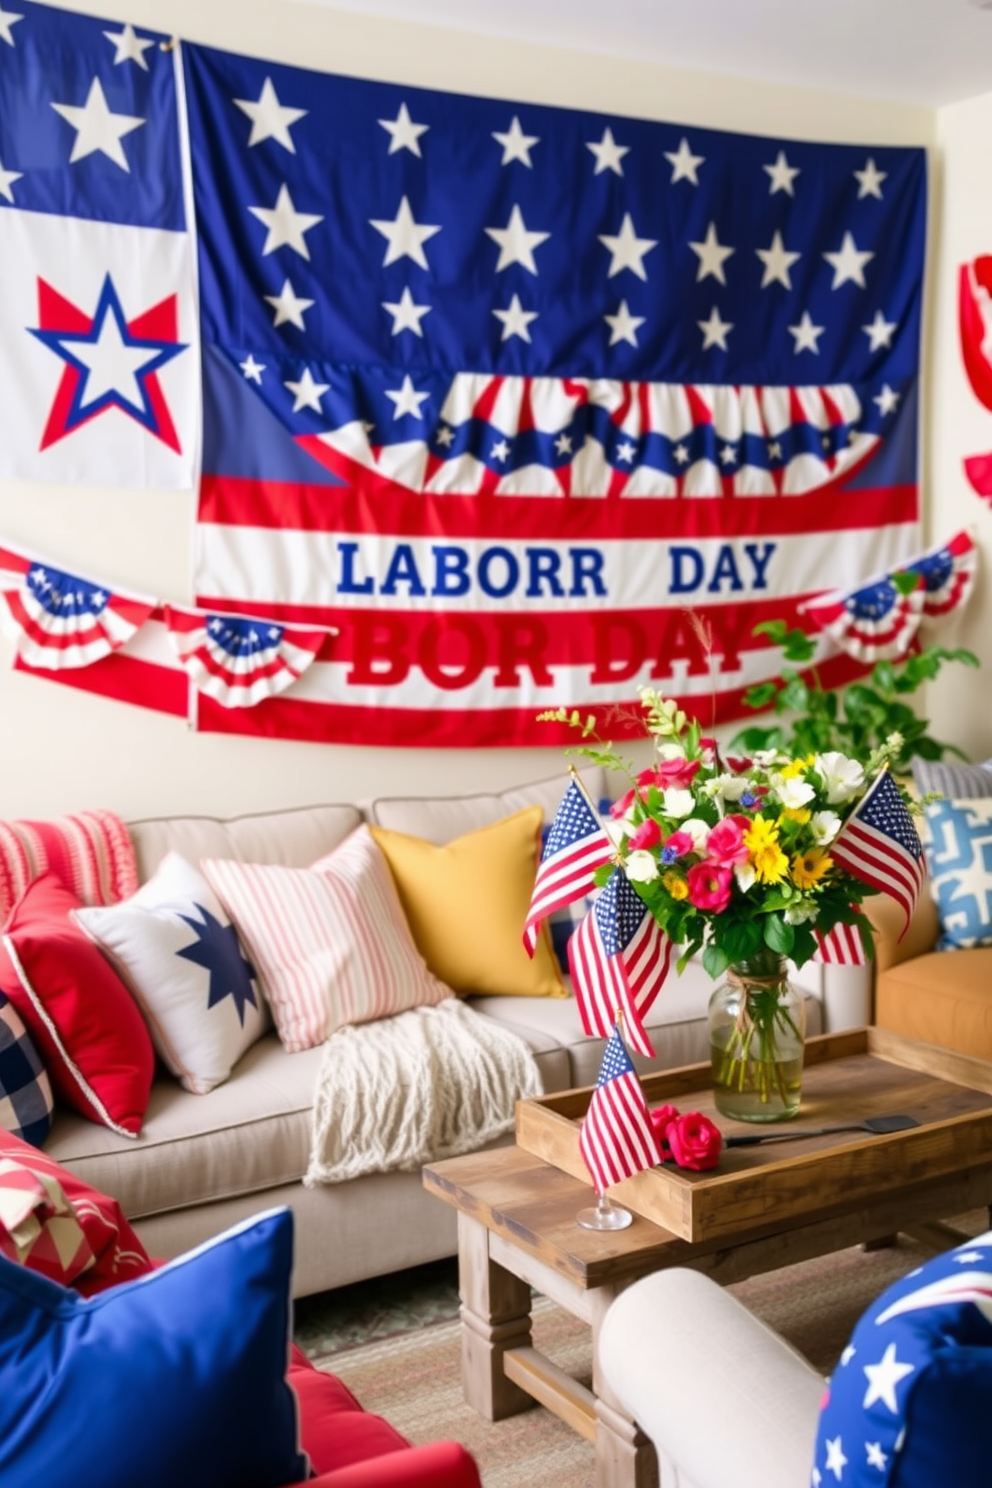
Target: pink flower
(708, 746)
(648, 834)
(673, 774)
(725, 844)
(739, 764)
(695, 1142)
(709, 886)
(677, 845)
(621, 807)
(661, 1119)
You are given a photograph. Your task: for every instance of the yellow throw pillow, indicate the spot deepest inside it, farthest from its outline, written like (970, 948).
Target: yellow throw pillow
(466, 903)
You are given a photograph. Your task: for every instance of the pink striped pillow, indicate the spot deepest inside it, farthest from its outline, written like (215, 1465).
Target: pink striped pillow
(91, 853)
(330, 943)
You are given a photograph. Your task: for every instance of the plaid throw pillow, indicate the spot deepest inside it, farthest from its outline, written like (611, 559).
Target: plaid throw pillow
(25, 1092)
(564, 922)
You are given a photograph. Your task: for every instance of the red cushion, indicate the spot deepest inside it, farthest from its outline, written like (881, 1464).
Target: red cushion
(119, 1254)
(83, 1020)
(334, 1429)
(439, 1465)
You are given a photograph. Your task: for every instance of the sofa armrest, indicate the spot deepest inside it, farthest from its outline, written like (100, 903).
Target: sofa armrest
(888, 919)
(439, 1465)
(722, 1397)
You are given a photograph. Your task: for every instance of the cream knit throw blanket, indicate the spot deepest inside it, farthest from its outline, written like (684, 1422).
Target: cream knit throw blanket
(425, 1084)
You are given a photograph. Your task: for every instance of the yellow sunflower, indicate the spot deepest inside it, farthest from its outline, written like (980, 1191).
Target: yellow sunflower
(809, 867)
(767, 858)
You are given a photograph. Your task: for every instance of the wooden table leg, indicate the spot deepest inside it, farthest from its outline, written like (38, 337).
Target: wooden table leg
(625, 1458)
(495, 1315)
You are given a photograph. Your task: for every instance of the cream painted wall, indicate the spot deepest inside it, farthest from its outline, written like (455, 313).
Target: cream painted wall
(60, 749)
(960, 702)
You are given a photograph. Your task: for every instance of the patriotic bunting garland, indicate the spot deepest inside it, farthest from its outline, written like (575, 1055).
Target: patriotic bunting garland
(239, 661)
(58, 619)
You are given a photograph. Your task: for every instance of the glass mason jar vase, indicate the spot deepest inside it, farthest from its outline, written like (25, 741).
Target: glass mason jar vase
(757, 1022)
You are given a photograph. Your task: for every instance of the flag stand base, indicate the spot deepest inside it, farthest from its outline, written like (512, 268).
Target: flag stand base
(605, 1216)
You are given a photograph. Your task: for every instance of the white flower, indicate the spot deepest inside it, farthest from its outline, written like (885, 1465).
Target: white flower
(678, 803)
(765, 758)
(745, 876)
(641, 866)
(669, 751)
(793, 793)
(844, 778)
(801, 913)
(617, 830)
(824, 825)
(699, 831)
(727, 787)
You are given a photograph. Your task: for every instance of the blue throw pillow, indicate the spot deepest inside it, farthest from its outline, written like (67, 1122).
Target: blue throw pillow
(26, 1100)
(177, 1380)
(959, 860)
(909, 1402)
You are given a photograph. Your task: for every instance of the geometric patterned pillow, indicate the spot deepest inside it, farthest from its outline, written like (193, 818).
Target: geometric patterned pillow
(26, 1100)
(38, 1228)
(957, 780)
(959, 858)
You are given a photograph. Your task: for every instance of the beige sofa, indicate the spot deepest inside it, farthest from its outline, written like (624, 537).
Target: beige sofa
(203, 1162)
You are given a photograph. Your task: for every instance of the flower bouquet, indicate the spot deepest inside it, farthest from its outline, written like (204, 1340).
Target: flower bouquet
(754, 861)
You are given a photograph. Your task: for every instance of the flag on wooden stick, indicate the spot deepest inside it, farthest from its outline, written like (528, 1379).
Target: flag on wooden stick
(616, 1138)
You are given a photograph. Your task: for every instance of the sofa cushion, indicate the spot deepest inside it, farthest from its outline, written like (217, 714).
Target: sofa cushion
(80, 1015)
(676, 1025)
(293, 838)
(908, 1401)
(198, 1393)
(258, 1123)
(38, 1228)
(330, 943)
(26, 1100)
(334, 1429)
(90, 853)
(940, 999)
(117, 1253)
(175, 947)
(952, 777)
(466, 902)
(439, 818)
(958, 843)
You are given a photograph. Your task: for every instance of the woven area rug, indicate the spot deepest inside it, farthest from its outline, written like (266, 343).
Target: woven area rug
(412, 1378)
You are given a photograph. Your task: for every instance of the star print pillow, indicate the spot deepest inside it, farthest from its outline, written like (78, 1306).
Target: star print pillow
(909, 1402)
(176, 949)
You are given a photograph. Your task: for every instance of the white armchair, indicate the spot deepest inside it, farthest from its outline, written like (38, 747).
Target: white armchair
(723, 1398)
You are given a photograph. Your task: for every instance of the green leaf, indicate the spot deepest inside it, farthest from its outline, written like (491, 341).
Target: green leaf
(775, 630)
(779, 936)
(740, 939)
(799, 646)
(795, 695)
(715, 961)
(905, 581)
(761, 694)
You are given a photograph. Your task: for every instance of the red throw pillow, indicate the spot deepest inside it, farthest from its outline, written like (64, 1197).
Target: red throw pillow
(83, 1020)
(117, 1253)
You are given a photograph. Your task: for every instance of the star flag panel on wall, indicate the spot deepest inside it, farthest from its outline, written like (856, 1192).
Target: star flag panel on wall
(99, 372)
(501, 390)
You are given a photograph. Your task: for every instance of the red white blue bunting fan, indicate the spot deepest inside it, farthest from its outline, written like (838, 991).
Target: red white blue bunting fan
(240, 661)
(58, 620)
(878, 621)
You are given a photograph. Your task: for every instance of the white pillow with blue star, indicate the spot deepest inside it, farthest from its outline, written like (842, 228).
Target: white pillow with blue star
(175, 947)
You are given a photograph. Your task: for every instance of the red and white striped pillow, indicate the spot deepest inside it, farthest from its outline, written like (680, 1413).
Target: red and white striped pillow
(330, 944)
(90, 852)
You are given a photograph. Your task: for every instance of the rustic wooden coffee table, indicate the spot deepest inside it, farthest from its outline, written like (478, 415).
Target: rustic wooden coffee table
(763, 1207)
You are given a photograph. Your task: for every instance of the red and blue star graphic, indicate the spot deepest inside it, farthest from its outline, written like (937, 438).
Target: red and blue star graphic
(110, 361)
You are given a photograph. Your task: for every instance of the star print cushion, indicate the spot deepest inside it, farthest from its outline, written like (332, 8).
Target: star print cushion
(908, 1404)
(82, 1020)
(176, 948)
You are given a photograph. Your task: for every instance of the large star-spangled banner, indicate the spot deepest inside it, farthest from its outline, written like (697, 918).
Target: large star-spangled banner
(99, 377)
(559, 377)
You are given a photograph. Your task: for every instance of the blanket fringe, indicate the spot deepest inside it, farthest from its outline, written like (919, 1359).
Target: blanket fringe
(426, 1084)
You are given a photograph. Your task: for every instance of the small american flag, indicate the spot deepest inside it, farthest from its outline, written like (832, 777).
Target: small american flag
(619, 958)
(841, 946)
(616, 1139)
(577, 845)
(880, 845)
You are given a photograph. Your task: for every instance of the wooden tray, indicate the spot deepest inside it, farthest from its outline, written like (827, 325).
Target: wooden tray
(846, 1077)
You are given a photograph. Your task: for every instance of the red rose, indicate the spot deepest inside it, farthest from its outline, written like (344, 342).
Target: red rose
(661, 1119)
(619, 808)
(647, 835)
(695, 1141)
